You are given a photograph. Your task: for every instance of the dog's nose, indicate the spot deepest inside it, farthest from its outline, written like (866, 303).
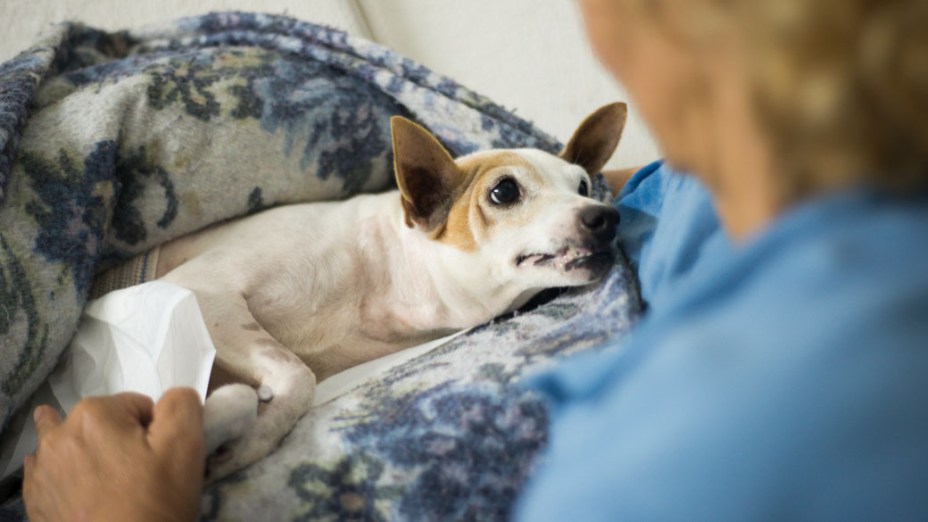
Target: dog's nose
(600, 220)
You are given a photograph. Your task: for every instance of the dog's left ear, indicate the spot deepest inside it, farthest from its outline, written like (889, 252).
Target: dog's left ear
(425, 173)
(595, 140)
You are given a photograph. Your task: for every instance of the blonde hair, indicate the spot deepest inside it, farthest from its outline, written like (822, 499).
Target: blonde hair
(840, 86)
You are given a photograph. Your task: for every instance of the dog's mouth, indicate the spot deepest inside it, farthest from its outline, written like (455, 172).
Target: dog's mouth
(567, 258)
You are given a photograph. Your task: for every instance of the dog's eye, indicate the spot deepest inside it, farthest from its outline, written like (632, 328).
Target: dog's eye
(506, 192)
(584, 189)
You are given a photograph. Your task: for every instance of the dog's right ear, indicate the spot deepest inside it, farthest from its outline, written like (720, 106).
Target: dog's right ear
(596, 139)
(425, 173)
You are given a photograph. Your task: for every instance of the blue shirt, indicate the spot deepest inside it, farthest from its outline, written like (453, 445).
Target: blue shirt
(785, 378)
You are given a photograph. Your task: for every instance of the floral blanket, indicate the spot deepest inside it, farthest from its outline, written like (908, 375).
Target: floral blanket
(112, 143)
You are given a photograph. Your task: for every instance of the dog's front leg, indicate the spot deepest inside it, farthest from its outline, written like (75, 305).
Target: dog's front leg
(246, 353)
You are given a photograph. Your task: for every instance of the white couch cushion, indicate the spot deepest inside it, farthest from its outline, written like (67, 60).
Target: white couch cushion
(528, 55)
(21, 21)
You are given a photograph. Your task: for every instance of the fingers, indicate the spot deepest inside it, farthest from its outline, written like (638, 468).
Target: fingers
(179, 405)
(177, 424)
(128, 411)
(28, 471)
(47, 421)
(84, 462)
(139, 407)
(45, 418)
(29, 488)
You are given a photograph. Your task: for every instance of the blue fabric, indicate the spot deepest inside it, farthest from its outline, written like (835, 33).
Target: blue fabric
(663, 250)
(786, 378)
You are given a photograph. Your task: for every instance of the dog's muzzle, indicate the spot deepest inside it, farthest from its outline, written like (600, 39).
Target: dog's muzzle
(598, 224)
(591, 249)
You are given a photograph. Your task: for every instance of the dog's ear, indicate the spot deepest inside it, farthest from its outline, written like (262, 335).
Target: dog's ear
(595, 140)
(425, 173)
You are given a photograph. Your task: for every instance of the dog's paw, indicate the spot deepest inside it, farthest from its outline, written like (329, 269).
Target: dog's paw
(228, 414)
(278, 406)
(237, 454)
(253, 437)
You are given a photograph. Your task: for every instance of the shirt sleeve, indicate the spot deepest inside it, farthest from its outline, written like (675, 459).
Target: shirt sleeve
(668, 228)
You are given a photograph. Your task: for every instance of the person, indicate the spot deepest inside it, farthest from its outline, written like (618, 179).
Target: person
(780, 370)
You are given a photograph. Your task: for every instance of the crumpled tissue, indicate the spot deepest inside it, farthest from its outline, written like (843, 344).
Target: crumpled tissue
(145, 338)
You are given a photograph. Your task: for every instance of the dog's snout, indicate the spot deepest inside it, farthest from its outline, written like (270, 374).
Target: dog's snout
(600, 220)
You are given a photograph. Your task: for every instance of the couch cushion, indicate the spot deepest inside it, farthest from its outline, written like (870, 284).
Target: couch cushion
(529, 55)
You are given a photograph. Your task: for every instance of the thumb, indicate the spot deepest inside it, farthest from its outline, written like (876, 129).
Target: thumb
(45, 419)
(177, 426)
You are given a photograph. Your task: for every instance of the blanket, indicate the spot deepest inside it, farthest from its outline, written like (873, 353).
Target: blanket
(112, 143)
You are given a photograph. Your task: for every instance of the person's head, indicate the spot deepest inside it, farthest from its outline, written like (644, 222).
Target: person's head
(835, 91)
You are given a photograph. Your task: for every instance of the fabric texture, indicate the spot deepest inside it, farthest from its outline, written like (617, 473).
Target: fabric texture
(779, 379)
(112, 143)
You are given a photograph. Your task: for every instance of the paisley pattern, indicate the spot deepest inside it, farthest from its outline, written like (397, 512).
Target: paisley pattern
(112, 143)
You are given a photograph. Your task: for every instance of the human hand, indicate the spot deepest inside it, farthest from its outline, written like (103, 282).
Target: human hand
(118, 458)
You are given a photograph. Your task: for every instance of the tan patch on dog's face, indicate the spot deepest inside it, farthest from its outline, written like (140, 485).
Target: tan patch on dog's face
(469, 222)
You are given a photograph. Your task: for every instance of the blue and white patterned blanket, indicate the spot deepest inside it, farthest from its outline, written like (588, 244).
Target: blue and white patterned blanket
(112, 143)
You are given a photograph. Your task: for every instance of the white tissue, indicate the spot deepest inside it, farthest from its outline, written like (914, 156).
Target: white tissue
(146, 338)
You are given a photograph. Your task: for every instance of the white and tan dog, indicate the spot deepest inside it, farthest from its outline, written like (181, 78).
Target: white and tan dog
(298, 293)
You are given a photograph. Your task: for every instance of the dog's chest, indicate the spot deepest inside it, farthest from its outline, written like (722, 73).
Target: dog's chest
(353, 325)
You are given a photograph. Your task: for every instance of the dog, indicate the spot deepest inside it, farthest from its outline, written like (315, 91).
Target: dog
(295, 294)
